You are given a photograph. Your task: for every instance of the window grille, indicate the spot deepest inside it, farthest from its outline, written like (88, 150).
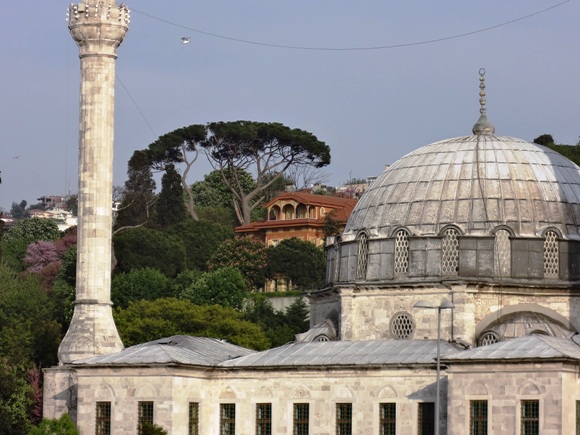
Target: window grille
(488, 338)
(578, 417)
(344, 419)
(478, 417)
(264, 419)
(450, 254)
(401, 253)
(388, 419)
(145, 415)
(227, 419)
(301, 421)
(530, 417)
(193, 418)
(551, 255)
(103, 423)
(402, 326)
(503, 254)
(426, 418)
(321, 337)
(337, 257)
(362, 257)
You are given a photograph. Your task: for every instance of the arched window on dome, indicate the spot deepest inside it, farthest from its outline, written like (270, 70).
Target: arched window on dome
(551, 255)
(450, 252)
(401, 253)
(502, 254)
(362, 256)
(337, 257)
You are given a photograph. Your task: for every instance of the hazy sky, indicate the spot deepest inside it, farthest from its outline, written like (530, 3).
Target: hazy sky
(370, 106)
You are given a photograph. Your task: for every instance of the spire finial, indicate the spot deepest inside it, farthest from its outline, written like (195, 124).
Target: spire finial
(482, 126)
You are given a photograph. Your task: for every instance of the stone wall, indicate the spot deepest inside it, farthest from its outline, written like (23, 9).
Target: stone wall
(554, 384)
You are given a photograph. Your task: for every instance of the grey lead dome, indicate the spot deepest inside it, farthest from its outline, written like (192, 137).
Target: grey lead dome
(475, 183)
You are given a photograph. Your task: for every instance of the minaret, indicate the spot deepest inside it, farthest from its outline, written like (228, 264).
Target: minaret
(98, 27)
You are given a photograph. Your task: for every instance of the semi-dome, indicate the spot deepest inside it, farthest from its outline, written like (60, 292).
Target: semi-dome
(475, 183)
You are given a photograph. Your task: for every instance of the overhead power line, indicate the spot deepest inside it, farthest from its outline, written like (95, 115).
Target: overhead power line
(378, 47)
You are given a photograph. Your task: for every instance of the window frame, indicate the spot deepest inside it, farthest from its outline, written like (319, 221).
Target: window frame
(226, 421)
(480, 420)
(387, 423)
(105, 419)
(522, 420)
(343, 418)
(303, 421)
(144, 414)
(421, 421)
(193, 420)
(263, 423)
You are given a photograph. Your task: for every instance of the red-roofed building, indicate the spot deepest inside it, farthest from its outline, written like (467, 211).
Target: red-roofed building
(299, 214)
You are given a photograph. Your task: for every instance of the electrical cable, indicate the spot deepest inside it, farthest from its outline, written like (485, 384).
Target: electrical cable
(380, 47)
(137, 106)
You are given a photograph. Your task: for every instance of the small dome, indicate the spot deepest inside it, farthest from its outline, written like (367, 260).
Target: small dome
(475, 183)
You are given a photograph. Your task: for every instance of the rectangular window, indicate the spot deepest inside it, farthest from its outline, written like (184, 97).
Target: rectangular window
(103, 424)
(145, 415)
(530, 423)
(478, 417)
(577, 417)
(227, 419)
(344, 419)
(388, 419)
(193, 418)
(426, 417)
(301, 419)
(264, 419)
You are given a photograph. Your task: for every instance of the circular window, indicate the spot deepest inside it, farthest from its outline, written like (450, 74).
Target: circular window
(321, 337)
(402, 326)
(488, 338)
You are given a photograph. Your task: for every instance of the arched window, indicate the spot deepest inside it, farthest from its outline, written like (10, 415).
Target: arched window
(362, 256)
(288, 211)
(301, 211)
(488, 337)
(401, 253)
(337, 257)
(503, 254)
(450, 252)
(551, 255)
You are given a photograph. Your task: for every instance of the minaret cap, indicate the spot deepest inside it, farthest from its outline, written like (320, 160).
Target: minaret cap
(483, 125)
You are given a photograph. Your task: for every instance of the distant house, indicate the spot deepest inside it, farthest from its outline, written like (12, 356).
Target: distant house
(299, 214)
(52, 201)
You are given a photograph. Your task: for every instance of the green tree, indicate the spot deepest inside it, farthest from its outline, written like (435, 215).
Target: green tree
(245, 254)
(138, 248)
(16, 399)
(225, 287)
(266, 150)
(139, 194)
(544, 139)
(16, 240)
(201, 239)
(180, 146)
(170, 208)
(299, 261)
(18, 210)
(56, 426)
(32, 230)
(145, 321)
(138, 284)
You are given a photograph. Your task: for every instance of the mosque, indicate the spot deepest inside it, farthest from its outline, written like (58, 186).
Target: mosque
(451, 303)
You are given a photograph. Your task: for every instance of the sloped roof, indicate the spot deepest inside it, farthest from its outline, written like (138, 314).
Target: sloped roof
(312, 199)
(522, 348)
(178, 349)
(345, 353)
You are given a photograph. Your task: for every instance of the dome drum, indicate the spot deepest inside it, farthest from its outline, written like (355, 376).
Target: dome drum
(498, 258)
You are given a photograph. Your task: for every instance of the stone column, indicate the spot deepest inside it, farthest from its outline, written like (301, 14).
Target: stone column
(98, 28)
